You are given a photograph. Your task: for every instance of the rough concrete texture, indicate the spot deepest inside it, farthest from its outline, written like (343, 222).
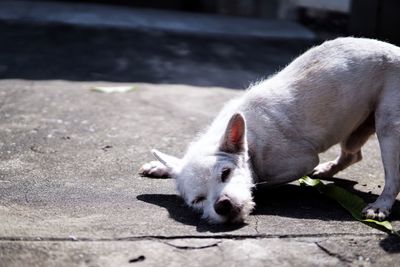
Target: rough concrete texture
(69, 191)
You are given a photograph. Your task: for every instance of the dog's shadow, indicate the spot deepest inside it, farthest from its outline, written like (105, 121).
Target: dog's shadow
(305, 202)
(288, 200)
(180, 212)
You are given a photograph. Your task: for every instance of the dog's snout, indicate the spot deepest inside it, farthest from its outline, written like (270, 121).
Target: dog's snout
(225, 207)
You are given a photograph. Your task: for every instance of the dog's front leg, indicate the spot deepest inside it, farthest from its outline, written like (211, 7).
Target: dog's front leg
(166, 166)
(155, 169)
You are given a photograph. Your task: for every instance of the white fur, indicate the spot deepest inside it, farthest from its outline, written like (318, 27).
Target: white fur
(339, 92)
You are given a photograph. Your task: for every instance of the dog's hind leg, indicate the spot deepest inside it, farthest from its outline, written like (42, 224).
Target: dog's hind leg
(388, 131)
(350, 150)
(390, 150)
(330, 168)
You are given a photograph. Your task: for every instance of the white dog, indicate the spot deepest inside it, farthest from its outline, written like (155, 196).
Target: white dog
(342, 91)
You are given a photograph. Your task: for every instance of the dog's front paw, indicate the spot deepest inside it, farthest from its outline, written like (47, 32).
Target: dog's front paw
(154, 169)
(376, 212)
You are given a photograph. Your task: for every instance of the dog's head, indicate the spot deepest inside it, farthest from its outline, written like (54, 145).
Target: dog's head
(217, 181)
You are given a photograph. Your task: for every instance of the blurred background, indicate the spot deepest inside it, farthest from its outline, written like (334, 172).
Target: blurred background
(228, 43)
(369, 18)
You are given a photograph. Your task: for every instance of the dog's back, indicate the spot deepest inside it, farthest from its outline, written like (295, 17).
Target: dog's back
(328, 91)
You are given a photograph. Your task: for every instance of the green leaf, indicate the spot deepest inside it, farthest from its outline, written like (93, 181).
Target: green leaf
(114, 89)
(352, 203)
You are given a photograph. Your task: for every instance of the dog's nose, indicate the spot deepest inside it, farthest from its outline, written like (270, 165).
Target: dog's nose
(225, 207)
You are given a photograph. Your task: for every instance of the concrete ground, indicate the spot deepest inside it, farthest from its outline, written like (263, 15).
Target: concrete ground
(69, 190)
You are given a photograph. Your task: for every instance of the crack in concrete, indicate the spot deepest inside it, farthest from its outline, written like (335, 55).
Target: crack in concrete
(222, 255)
(256, 224)
(332, 254)
(26, 195)
(160, 237)
(192, 247)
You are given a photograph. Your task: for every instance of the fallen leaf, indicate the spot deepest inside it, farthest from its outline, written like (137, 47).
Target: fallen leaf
(114, 89)
(352, 203)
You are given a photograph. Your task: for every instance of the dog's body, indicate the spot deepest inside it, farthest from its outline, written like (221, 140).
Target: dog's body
(339, 92)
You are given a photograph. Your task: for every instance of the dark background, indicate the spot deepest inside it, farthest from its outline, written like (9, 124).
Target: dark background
(366, 18)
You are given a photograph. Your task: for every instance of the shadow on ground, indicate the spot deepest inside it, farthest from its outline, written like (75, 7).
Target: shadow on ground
(40, 52)
(391, 244)
(288, 200)
(306, 202)
(179, 212)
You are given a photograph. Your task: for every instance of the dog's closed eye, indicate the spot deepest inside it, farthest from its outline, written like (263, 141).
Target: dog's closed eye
(198, 200)
(225, 174)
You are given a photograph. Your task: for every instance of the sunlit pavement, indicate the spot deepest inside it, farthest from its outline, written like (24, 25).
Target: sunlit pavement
(69, 190)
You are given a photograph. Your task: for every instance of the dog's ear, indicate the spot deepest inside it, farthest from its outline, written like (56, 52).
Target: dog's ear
(169, 161)
(234, 139)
